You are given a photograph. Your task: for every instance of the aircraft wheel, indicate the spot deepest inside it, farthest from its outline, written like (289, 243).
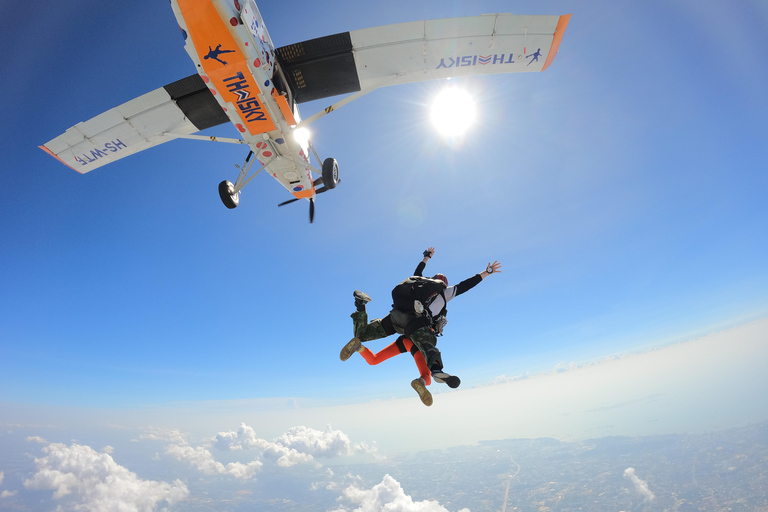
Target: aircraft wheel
(229, 197)
(330, 173)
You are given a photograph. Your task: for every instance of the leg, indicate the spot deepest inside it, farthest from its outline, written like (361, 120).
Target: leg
(379, 328)
(421, 363)
(382, 355)
(425, 340)
(364, 331)
(402, 345)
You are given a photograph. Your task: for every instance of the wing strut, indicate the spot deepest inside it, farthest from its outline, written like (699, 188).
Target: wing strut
(338, 104)
(205, 137)
(241, 181)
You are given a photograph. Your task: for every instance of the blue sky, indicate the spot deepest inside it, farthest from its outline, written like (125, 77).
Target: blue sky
(623, 190)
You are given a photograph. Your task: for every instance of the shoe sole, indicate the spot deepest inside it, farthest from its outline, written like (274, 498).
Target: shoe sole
(424, 394)
(349, 349)
(452, 380)
(362, 296)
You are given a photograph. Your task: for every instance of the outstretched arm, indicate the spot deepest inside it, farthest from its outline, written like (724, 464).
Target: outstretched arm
(473, 281)
(423, 263)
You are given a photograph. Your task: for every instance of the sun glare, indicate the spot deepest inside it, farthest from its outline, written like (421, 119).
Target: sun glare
(453, 112)
(302, 135)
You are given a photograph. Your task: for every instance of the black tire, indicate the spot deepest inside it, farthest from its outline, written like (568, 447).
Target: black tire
(229, 197)
(330, 173)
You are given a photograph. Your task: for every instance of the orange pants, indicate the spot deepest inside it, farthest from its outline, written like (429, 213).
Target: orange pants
(400, 346)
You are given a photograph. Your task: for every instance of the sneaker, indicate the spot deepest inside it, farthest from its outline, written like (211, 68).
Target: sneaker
(421, 389)
(350, 348)
(446, 378)
(361, 299)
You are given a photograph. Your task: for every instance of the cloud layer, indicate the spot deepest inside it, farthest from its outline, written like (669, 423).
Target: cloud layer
(94, 481)
(201, 458)
(300, 445)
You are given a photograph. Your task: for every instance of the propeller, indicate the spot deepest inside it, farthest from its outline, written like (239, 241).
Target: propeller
(311, 210)
(311, 205)
(311, 200)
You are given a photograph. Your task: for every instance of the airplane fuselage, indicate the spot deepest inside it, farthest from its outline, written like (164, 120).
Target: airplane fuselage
(234, 55)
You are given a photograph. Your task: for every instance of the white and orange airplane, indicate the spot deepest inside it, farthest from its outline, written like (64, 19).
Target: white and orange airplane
(243, 79)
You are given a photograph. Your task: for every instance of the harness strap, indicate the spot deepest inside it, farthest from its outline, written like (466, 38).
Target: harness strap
(416, 324)
(400, 344)
(428, 312)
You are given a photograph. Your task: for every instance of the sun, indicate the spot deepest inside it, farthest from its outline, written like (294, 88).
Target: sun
(453, 112)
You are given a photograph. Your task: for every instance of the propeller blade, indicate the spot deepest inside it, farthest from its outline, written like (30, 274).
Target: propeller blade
(288, 201)
(311, 211)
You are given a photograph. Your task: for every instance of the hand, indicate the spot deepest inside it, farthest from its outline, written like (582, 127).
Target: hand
(493, 267)
(429, 253)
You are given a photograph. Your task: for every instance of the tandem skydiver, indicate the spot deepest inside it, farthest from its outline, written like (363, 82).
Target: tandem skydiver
(419, 315)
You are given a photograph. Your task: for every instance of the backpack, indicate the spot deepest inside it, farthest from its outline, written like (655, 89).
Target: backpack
(416, 288)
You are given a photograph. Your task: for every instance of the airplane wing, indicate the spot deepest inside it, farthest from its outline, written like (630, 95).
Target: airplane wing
(182, 107)
(421, 50)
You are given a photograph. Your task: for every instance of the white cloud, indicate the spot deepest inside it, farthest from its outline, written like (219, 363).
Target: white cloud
(245, 438)
(298, 445)
(96, 482)
(8, 494)
(388, 496)
(108, 449)
(202, 459)
(640, 485)
(320, 443)
(564, 367)
(36, 439)
(164, 434)
(2, 477)
(298, 442)
(287, 457)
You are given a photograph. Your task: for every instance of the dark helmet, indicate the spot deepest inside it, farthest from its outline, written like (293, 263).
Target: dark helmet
(442, 278)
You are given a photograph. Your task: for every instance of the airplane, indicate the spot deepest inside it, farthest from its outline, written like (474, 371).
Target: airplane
(243, 79)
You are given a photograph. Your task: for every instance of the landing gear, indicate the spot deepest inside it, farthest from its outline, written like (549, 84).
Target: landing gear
(229, 197)
(330, 173)
(229, 192)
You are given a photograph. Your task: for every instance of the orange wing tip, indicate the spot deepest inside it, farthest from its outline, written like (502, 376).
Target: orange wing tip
(562, 24)
(57, 158)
